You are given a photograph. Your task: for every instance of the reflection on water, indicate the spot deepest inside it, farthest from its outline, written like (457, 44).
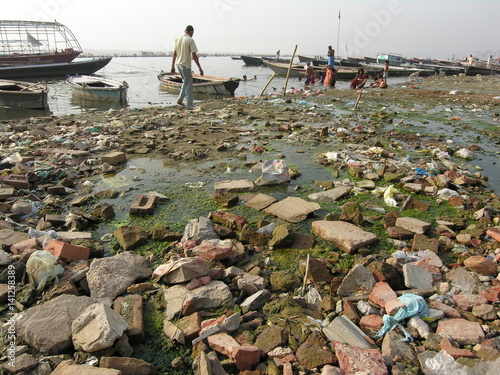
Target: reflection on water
(89, 105)
(22, 113)
(144, 89)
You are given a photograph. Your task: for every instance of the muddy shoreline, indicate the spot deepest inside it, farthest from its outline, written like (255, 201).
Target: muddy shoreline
(430, 135)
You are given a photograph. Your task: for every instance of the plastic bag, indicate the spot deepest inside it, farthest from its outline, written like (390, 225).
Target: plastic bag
(444, 364)
(273, 172)
(415, 306)
(388, 196)
(41, 267)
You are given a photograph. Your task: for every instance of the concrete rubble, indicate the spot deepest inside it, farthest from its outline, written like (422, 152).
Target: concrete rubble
(385, 288)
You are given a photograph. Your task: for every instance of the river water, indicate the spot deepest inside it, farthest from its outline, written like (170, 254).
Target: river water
(144, 90)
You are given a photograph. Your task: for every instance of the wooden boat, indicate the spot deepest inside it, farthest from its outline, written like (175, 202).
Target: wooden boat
(33, 42)
(276, 60)
(207, 85)
(54, 70)
(252, 60)
(97, 88)
(472, 70)
(299, 70)
(32, 95)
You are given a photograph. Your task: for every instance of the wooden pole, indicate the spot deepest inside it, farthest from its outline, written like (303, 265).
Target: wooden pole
(289, 69)
(357, 100)
(305, 277)
(267, 84)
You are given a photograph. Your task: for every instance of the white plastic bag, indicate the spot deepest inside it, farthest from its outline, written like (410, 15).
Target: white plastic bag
(273, 172)
(41, 267)
(444, 364)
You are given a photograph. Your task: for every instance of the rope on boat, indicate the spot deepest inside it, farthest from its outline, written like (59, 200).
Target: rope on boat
(136, 67)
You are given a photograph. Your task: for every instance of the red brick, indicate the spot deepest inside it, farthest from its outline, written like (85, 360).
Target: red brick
(492, 294)
(371, 322)
(19, 181)
(130, 307)
(67, 251)
(246, 356)
(454, 351)
(143, 205)
(381, 293)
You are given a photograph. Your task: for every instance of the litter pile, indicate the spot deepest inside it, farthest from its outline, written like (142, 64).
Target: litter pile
(420, 296)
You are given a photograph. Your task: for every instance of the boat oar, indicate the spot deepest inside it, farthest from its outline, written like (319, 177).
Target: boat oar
(31, 86)
(267, 84)
(289, 69)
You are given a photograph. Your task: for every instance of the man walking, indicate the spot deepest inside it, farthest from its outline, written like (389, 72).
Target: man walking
(185, 49)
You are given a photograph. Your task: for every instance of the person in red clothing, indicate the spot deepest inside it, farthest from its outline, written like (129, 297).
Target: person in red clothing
(360, 79)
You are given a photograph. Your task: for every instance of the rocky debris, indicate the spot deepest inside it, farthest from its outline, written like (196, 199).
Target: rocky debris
(96, 328)
(47, 327)
(110, 277)
(218, 289)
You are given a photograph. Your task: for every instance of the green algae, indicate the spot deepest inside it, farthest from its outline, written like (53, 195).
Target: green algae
(157, 349)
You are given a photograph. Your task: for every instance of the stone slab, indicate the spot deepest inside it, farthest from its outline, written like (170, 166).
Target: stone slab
(292, 209)
(346, 236)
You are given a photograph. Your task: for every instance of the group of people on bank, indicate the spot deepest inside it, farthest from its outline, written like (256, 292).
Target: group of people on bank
(328, 77)
(185, 51)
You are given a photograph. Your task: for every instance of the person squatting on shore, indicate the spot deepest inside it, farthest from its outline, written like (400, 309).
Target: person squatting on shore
(184, 50)
(360, 79)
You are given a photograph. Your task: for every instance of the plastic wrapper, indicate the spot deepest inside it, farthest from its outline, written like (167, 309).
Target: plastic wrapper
(273, 172)
(41, 267)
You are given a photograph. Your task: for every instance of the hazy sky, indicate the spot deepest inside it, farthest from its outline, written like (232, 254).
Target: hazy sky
(413, 28)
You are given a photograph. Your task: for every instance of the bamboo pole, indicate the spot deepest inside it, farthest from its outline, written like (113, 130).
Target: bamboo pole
(305, 277)
(289, 69)
(357, 100)
(267, 84)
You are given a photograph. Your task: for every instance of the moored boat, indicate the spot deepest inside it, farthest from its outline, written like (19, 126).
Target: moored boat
(252, 60)
(472, 70)
(98, 88)
(54, 70)
(34, 42)
(299, 70)
(32, 95)
(207, 85)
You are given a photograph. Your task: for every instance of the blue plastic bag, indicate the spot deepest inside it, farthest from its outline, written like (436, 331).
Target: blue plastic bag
(415, 306)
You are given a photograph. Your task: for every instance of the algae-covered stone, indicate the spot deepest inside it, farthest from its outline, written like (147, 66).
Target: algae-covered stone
(284, 281)
(271, 337)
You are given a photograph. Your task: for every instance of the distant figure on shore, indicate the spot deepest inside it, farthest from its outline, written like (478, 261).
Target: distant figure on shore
(360, 79)
(331, 57)
(278, 54)
(330, 76)
(385, 73)
(309, 74)
(490, 60)
(471, 60)
(184, 50)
